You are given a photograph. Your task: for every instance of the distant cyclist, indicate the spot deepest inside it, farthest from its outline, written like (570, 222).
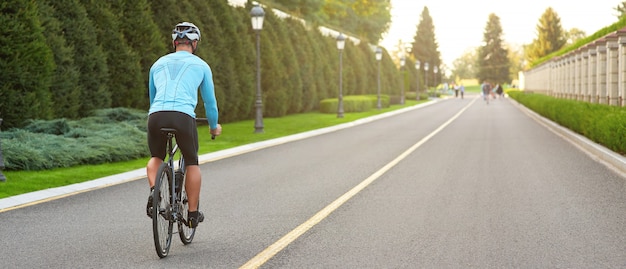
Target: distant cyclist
(173, 87)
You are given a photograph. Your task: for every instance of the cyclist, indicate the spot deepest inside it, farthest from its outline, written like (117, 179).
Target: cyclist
(173, 88)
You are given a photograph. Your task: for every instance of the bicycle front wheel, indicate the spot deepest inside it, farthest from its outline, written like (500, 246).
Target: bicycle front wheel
(162, 221)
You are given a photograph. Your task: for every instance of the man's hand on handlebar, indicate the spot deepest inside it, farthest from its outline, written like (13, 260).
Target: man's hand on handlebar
(217, 131)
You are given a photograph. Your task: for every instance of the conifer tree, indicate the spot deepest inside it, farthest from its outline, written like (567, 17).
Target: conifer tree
(425, 48)
(550, 36)
(65, 89)
(493, 61)
(325, 75)
(227, 59)
(80, 33)
(296, 35)
(26, 66)
(274, 69)
(621, 10)
(361, 64)
(293, 84)
(127, 86)
(143, 37)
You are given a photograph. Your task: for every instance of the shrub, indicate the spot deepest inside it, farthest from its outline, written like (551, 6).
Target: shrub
(110, 135)
(353, 103)
(602, 124)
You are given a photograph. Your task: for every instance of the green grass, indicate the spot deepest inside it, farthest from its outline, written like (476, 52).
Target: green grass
(233, 135)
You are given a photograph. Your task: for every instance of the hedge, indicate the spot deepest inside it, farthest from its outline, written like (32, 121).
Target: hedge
(603, 124)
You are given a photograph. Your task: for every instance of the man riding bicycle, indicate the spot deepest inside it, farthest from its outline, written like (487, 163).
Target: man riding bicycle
(173, 87)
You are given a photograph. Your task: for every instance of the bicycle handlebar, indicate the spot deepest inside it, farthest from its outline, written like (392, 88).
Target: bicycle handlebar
(205, 120)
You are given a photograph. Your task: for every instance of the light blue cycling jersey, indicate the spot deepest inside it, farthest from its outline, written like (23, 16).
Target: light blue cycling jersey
(174, 82)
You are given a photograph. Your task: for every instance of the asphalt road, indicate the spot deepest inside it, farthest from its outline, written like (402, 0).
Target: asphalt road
(456, 184)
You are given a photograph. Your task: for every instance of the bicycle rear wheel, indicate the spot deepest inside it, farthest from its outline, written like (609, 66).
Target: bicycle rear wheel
(162, 222)
(185, 232)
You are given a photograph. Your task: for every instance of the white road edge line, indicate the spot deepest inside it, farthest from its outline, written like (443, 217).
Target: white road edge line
(279, 245)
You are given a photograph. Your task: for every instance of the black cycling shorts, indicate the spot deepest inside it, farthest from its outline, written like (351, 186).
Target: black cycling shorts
(186, 134)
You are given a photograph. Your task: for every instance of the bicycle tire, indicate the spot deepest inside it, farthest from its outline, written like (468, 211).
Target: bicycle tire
(162, 222)
(185, 232)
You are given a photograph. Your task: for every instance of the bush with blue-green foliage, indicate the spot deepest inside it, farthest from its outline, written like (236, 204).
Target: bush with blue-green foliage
(109, 135)
(603, 124)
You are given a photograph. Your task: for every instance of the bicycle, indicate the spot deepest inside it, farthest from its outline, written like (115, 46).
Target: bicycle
(170, 182)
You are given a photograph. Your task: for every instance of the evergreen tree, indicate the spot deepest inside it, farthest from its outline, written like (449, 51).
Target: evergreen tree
(65, 89)
(493, 61)
(26, 66)
(89, 56)
(166, 14)
(361, 63)
(127, 86)
(296, 35)
(573, 35)
(425, 48)
(228, 59)
(244, 64)
(145, 40)
(621, 10)
(210, 40)
(273, 69)
(367, 19)
(550, 36)
(291, 85)
(465, 66)
(326, 77)
(305, 9)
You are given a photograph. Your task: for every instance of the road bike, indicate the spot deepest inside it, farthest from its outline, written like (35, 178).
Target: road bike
(169, 200)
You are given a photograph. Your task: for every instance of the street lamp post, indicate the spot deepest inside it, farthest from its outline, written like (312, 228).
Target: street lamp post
(426, 75)
(417, 79)
(341, 42)
(402, 62)
(379, 56)
(257, 13)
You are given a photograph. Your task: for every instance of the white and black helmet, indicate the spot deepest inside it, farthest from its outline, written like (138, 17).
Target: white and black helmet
(186, 30)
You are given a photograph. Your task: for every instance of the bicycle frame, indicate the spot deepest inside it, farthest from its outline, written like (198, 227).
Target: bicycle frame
(175, 210)
(172, 149)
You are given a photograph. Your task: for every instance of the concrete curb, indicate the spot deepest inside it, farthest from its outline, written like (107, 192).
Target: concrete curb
(598, 152)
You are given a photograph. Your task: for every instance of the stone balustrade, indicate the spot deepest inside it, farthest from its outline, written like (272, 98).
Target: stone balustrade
(594, 73)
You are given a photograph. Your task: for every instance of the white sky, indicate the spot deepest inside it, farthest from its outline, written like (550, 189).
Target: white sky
(459, 24)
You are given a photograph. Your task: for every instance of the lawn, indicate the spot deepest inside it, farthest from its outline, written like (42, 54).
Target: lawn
(234, 134)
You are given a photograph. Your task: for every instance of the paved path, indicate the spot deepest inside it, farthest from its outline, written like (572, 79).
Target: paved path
(452, 184)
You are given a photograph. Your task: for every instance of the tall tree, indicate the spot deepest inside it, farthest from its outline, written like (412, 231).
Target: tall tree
(123, 62)
(231, 59)
(143, 37)
(493, 61)
(367, 19)
(65, 88)
(573, 35)
(306, 9)
(550, 36)
(89, 56)
(425, 48)
(465, 66)
(27, 64)
(621, 10)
